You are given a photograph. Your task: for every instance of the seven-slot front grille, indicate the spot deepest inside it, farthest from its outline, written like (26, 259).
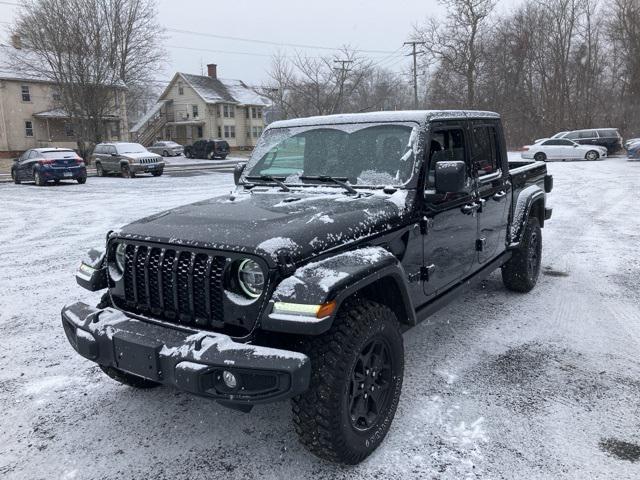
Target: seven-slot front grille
(179, 286)
(148, 160)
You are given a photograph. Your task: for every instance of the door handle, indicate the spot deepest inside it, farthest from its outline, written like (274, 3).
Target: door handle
(499, 195)
(470, 208)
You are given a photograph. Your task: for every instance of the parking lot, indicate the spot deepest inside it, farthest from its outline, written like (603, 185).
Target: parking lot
(497, 385)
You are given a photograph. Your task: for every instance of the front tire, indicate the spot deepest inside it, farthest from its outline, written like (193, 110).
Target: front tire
(165, 153)
(540, 157)
(100, 170)
(592, 155)
(357, 370)
(157, 173)
(521, 272)
(81, 180)
(126, 172)
(128, 379)
(14, 177)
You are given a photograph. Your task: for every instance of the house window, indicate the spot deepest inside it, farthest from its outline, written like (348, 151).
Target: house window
(26, 95)
(55, 96)
(254, 114)
(246, 111)
(28, 128)
(219, 132)
(180, 89)
(200, 133)
(194, 109)
(229, 131)
(68, 129)
(219, 110)
(229, 111)
(259, 110)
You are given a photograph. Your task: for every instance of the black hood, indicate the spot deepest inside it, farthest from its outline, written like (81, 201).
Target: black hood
(267, 222)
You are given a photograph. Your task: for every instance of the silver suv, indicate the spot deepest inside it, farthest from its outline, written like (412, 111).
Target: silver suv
(126, 159)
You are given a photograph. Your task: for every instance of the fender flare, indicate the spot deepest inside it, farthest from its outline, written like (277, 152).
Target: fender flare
(526, 200)
(335, 279)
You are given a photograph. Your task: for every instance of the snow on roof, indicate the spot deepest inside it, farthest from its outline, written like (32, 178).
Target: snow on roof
(10, 57)
(216, 90)
(419, 116)
(55, 113)
(9, 71)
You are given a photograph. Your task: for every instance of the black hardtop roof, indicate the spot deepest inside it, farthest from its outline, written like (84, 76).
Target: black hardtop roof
(419, 116)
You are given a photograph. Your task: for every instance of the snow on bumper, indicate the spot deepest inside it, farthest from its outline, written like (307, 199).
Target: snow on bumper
(190, 360)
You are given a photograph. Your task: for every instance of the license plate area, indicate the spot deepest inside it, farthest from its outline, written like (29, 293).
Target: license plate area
(68, 174)
(137, 355)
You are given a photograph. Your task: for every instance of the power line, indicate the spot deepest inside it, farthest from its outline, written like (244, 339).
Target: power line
(268, 42)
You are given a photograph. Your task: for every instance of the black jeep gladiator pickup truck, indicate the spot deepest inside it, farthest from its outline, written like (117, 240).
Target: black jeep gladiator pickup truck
(343, 231)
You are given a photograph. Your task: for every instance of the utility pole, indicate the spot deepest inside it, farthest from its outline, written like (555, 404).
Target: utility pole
(343, 76)
(415, 70)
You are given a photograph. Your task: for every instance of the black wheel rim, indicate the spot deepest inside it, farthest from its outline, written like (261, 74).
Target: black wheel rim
(533, 258)
(370, 385)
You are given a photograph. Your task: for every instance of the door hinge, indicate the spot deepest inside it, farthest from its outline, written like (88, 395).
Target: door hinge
(426, 272)
(425, 225)
(480, 244)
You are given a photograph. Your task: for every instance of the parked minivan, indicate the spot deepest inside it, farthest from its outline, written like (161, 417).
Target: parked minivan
(605, 137)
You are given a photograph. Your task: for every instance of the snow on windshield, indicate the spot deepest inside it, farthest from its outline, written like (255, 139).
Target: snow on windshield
(131, 148)
(364, 154)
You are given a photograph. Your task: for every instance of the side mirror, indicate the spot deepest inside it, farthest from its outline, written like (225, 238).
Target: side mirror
(451, 177)
(575, 146)
(237, 171)
(114, 154)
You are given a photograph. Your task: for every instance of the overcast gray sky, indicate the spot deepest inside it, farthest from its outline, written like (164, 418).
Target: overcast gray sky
(375, 25)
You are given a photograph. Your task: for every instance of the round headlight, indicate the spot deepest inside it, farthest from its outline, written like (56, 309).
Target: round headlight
(250, 278)
(120, 257)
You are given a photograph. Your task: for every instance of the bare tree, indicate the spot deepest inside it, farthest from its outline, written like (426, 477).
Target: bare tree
(96, 48)
(457, 43)
(346, 82)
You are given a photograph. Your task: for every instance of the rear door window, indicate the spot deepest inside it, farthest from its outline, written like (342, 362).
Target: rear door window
(588, 134)
(572, 135)
(484, 153)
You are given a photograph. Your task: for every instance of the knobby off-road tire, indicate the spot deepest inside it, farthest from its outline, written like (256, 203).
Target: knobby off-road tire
(341, 418)
(521, 272)
(128, 379)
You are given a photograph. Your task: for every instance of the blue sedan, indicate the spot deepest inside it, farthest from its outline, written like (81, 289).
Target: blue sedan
(42, 165)
(633, 150)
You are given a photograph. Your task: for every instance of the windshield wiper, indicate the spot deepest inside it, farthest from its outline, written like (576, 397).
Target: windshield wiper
(269, 178)
(326, 178)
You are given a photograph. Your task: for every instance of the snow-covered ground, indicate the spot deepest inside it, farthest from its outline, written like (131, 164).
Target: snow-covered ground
(498, 385)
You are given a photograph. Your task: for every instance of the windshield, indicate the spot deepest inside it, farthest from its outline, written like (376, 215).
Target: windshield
(363, 154)
(130, 148)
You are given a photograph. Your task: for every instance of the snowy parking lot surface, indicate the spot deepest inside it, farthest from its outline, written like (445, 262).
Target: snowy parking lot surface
(498, 385)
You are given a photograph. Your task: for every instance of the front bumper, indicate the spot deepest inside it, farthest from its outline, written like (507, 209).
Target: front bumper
(187, 359)
(146, 167)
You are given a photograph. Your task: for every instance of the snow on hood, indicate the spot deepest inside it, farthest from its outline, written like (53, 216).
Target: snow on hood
(268, 222)
(136, 156)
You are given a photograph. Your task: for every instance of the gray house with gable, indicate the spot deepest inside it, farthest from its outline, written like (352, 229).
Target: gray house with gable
(195, 107)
